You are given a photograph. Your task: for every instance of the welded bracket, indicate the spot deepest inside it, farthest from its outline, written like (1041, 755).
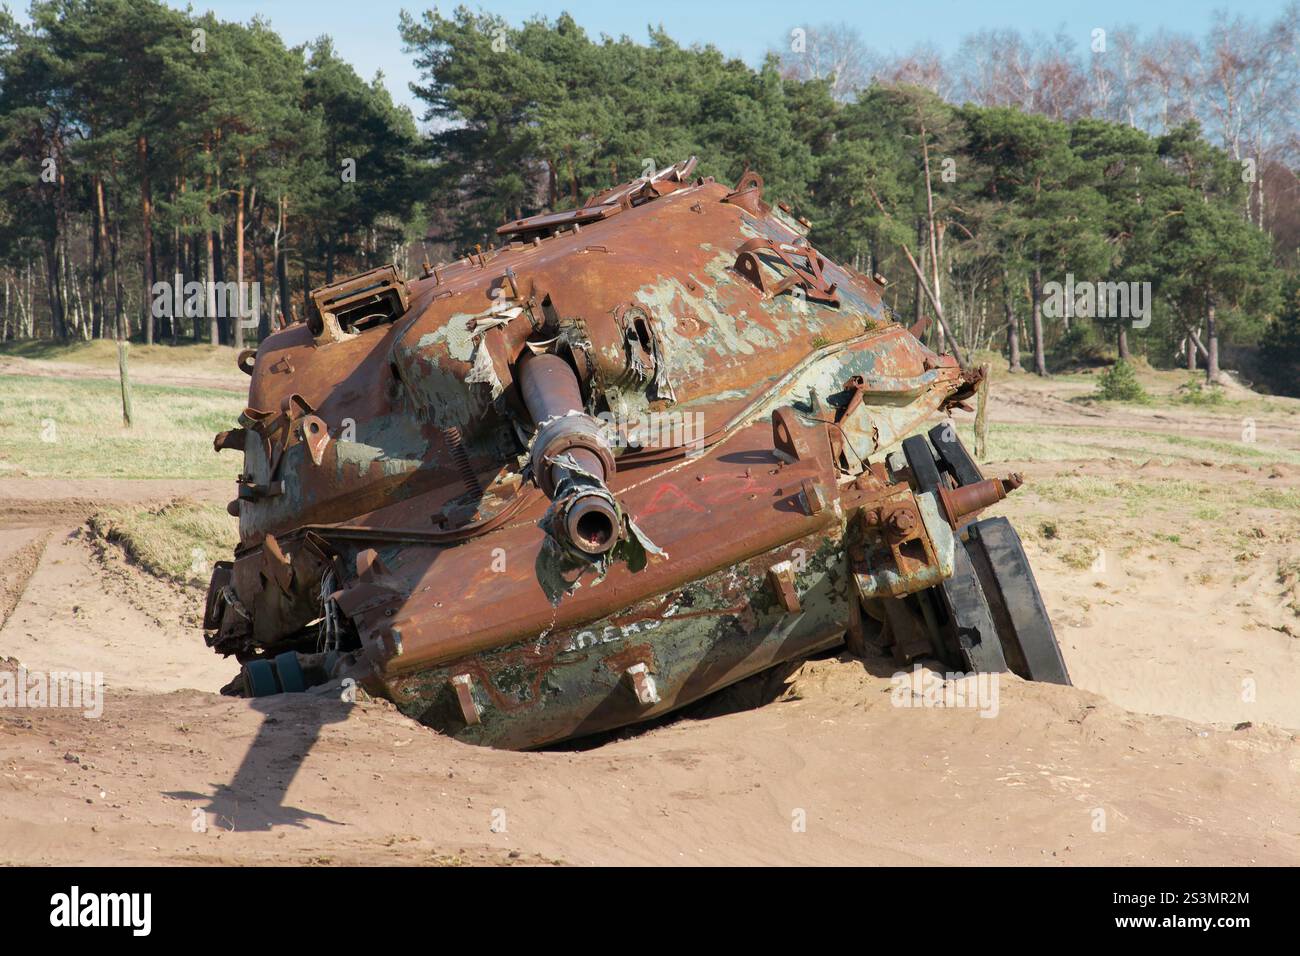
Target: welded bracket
(896, 554)
(809, 275)
(781, 577)
(462, 684)
(643, 684)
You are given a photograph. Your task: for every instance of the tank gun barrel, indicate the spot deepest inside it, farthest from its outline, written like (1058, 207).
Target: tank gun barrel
(571, 457)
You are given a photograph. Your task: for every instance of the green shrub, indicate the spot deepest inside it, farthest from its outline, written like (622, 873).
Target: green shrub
(1119, 384)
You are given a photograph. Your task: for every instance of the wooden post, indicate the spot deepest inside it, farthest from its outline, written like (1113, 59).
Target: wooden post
(981, 415)
(124, 376)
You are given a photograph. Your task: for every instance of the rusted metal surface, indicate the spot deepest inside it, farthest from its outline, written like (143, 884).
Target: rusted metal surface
(581, 479)
(349, 307)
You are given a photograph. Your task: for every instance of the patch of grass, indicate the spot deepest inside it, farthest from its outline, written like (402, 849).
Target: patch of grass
(1196, 392)
(1288, 575)
(1080, 556)
(1280, 499)
(65, 428)
(1024, 442)
(178, 541)
(1208, 500)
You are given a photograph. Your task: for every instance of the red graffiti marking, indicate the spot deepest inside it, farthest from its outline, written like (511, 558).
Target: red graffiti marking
(679, 501)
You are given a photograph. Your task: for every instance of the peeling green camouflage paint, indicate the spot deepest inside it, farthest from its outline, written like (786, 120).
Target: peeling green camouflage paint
(699, 638)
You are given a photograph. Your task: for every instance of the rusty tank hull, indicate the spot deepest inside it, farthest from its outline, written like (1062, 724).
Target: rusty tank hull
(637, 452)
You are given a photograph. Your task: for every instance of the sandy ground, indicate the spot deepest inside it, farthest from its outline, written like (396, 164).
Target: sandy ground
(1201, 628)
(1177, 746)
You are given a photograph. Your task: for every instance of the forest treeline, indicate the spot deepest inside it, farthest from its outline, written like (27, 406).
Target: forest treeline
(1017, 186)
(139, 143)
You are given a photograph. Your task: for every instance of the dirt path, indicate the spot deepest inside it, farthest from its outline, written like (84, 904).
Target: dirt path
(1186, 617)
(67, 603)
(1067, 404)
(82, 613)
(67, 502)
(182, 376)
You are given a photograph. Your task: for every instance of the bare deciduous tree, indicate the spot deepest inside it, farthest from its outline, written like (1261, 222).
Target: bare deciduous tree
(834, 52)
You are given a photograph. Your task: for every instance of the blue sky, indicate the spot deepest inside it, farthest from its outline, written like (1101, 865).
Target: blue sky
(365, 33)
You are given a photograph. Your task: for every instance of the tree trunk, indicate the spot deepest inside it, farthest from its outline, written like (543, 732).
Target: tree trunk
(282, 261)
(172, 262)
(1013, 328)
(177, 271)
(936, 257)
(219, 275)
(146, 231)
(1040, 359)
(196, 270)
(64, 278)
(121, 324)
(70, 303)
(29, 308)
(1212, 375)
(1124, 354)
(210, 272)
(98, 325)
(1259, 164)
(259, 267)
(929, 214)
(918, 313)
(259, 278)
(1191, 353)
(182, 263)
(210, 294)
(238, 330)
(82, 327)
(54, 290)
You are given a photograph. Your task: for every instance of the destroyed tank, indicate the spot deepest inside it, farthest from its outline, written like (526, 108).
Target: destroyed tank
(636, 452)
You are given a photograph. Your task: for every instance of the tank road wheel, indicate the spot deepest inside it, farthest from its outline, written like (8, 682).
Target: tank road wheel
(259, 679)
(956, 459)
(290, 673)
(958, 613)
(925, 471)
(968, 629)
(989, 616)
(1011, 595)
